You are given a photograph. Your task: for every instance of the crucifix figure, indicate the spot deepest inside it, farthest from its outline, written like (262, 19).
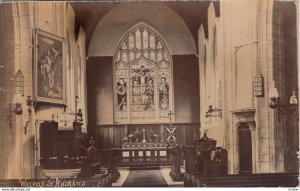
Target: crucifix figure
(144, 135)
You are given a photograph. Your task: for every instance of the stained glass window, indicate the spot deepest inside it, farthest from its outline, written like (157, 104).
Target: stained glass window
(143, 78)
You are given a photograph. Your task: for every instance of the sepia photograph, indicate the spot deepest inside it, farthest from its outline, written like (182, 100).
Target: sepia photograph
(149, 93)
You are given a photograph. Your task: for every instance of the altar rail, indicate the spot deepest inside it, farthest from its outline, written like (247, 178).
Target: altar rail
(111, 136)
(243, 180)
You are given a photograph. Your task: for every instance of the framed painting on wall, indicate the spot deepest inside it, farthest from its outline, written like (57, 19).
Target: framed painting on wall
(49, 69)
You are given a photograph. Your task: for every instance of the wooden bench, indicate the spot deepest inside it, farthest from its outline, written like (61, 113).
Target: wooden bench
(243, 180)
(176, 162)
(110, 159)
(101, 163)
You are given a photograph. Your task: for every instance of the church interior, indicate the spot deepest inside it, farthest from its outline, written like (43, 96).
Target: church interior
(149, 93)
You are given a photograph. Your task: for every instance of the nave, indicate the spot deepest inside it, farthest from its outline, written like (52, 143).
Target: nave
(205, 91)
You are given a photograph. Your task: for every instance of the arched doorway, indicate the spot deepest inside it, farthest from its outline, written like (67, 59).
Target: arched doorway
(245, 148)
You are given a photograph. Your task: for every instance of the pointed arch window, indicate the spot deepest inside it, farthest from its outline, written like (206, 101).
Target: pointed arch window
(142, 78)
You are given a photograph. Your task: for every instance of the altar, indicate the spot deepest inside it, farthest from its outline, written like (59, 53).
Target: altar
(146, 153)
(154, 150)
(146, 145)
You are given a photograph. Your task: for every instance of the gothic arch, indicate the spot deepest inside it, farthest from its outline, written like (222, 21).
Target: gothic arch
(143, 90)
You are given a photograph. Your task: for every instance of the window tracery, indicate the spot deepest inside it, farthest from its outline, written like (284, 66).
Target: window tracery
(143, 78)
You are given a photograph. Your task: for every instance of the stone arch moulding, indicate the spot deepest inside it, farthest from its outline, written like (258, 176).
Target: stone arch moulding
(116, 22)
(247, 116)
(143, 77)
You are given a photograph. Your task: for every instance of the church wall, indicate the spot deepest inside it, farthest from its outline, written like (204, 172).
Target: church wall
(247, 44)
(212, 85)
(202, 75)
(22, 131)
(186, 83)
(100, 90)
(81, 81)
(6, 88)
(241, 67)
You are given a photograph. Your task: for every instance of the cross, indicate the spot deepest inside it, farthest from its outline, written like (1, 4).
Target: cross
(144, 135)
(170, 115)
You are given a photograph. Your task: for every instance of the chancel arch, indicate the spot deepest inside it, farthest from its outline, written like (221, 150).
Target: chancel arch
(116, 22)
(143, 90)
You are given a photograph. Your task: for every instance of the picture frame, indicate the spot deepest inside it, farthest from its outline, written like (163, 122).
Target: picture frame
(49, 68)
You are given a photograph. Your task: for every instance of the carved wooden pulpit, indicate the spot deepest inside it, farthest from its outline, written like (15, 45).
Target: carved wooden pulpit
(203, 148)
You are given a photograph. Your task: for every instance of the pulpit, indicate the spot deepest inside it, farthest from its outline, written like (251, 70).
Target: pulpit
(203, 161)
(198, 157)
(203, 149)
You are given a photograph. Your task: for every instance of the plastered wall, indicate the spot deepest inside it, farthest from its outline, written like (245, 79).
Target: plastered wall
(21, 134)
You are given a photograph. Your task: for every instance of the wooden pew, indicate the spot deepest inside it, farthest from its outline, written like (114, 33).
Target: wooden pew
(176, 162)
(110, 159)
(101, 163)
(243, 180)
(71, 149)
(217, 176)
(188, 153)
